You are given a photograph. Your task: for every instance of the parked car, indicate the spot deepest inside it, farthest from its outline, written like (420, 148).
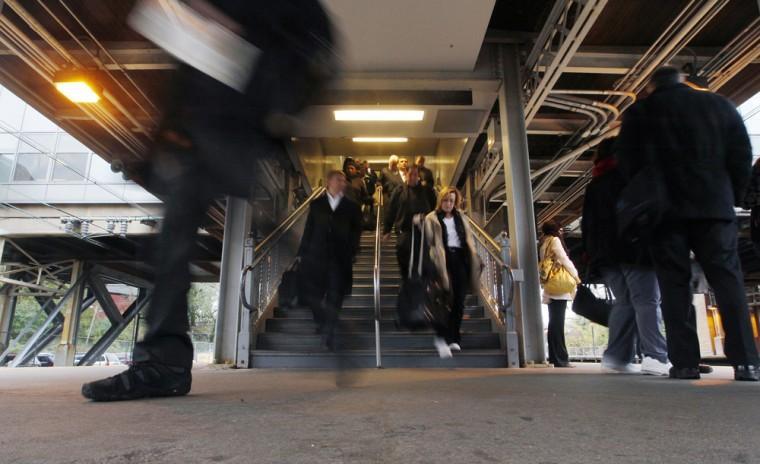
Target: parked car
(41, 360)
(108, 359)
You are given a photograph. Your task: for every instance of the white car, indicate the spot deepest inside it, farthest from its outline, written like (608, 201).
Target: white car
(108, 359)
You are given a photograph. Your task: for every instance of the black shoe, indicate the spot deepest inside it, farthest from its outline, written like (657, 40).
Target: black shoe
(684, 373)
(141, 380)
(747, 373)
(705, 369)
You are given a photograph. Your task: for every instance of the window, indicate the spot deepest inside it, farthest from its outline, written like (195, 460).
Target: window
(100, 171)
(72, 168)
(68, 144)
(39, 142)
(6, 166)
(35, 122)
(31, 167)
(8, 143)
(13, 109)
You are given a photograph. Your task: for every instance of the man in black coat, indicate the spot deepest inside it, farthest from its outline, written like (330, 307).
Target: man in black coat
(390, 178)
(329, 245)
(407, 209)
(427, 180)
(699, 142)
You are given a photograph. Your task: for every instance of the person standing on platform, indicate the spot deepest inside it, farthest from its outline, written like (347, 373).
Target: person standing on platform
(554, 244)
(456, 262)
(407, 209)
(627, 270)
(698, 142)
(329, 245)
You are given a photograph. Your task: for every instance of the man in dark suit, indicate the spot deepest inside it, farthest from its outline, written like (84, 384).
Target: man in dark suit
(408, 206)
(390, 178)
(699, 142)
(427, 180)
(329, 245)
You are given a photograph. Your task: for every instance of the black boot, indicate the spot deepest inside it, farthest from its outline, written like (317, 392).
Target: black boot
(141, 380)
(747, 373)
(684, 373)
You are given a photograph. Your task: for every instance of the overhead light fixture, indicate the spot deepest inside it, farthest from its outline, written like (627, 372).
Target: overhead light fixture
(380, 139)
(76, 87)
(379, 115)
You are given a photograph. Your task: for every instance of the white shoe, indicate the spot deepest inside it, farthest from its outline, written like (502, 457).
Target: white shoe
(455, 347)
(615, 368)
(651, 366)
(443, 348)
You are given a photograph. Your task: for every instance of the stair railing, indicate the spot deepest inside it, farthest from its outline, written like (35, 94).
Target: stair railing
(498, 285)
(376, 277)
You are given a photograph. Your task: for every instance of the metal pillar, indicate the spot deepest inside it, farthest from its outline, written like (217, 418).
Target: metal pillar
(522, 226)
(7, 309)
(237, 225)
(64, 355)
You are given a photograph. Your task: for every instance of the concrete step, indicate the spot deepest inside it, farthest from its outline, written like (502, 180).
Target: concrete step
(366, 359)
(353, 341)
(364, 312)
(307, 326)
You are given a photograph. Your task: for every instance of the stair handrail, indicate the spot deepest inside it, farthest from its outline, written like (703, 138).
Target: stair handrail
(376, 277)
(491, 253)
(263, 248)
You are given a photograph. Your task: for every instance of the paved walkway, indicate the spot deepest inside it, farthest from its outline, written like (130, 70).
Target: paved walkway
(390, 416)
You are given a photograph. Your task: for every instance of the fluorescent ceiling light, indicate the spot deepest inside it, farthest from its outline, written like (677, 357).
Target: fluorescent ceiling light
(78, 91)
(379, 115)
(380, 139)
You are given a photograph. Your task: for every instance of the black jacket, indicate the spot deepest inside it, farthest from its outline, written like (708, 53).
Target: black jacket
(356, 190)
(390, 180)
(330, 238)
(599, 224)
(405, 203)
(699, 140)
(370, 180)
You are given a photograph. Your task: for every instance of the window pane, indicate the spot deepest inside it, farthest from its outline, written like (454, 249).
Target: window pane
(40, 143)
(31, 167)
(100, 171)
(8, 143)
(11, 109)
(73, 168)
(6, 164)
(68, 144)
(34, 121)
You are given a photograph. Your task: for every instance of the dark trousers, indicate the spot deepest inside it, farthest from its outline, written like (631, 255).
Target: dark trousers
(556, 332)
(167, 338)
(404, 250)
(326, 299)
(456, 267)
(714, 243)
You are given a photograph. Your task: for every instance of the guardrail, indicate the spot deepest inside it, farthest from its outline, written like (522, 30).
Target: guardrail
(498, 286)
(376, 278)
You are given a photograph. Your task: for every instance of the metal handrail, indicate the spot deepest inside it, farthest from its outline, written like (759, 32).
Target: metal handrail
(376, 278)
(262, 250)
(493, 248)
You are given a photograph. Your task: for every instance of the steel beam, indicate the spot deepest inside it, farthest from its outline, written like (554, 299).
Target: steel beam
(67, 347)
(7, 310)
(237, 225)
(522, 227)
(103, 296)
(113, 332)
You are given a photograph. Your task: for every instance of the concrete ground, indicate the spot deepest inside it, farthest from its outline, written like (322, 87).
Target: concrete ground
(389, 416)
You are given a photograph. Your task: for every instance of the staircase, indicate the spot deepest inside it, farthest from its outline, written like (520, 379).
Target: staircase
(289, 338)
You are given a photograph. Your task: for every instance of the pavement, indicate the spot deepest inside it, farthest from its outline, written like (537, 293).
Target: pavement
(461, 416)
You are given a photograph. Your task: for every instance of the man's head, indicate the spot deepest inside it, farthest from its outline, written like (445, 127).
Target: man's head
(664, 76)
(403, 164)
(392, 162)
(421, 161)
(336, 182)
(351, 170)
(412, 176)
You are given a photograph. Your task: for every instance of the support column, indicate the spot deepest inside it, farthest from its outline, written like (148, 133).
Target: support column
(237, 225)
(7, 309)
(522, 223)
(67, 348)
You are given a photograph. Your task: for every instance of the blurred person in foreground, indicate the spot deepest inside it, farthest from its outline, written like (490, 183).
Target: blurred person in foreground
(697, 142)
(627, 270)
(207, 145)
(328, 248)
(456, 262)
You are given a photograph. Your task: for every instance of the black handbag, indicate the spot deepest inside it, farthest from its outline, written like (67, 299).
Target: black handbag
(588, 305)
(422, 301)
(287, 291)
